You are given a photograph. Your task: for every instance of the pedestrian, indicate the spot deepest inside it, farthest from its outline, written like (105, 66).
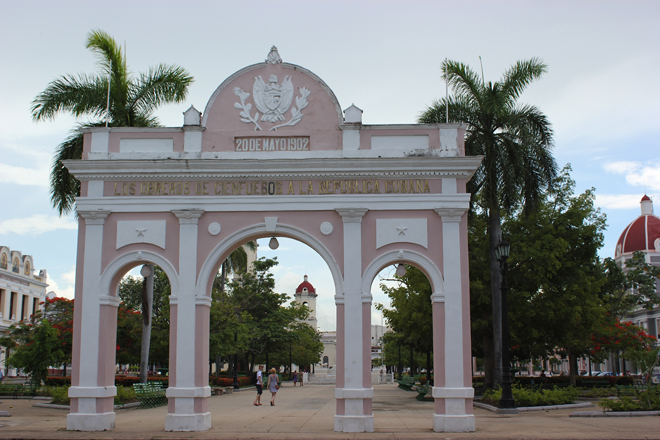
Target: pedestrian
(382, 375)
(272, 385)
(2, 374)
(295, 378)
(259, 385)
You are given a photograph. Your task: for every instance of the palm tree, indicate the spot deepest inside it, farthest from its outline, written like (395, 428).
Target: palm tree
(516, 142)
(132, 102)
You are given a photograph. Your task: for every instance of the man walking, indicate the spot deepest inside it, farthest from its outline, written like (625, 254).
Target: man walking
(260, 384)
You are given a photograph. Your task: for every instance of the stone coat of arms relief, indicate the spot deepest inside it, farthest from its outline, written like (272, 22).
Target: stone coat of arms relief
(272, 99)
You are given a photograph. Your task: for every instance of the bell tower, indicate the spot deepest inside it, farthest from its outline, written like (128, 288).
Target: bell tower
(306, 294)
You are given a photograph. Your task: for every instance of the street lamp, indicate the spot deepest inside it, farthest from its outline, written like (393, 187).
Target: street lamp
(502, 253)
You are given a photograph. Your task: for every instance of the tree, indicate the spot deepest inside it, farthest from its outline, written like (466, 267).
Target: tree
(555, 276)
(132, 295)
(643, 281)
(132, 102)
(411, 312)
(516, 142)
(59, 312)
(38, 347)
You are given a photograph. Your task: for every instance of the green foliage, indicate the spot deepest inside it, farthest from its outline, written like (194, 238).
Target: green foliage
(528, 397)
(125, 395)
(132, 103)
(554, 277)
(60, 395)
(38, 347)
(643, 278)
(410, 315)
(130, 293)
(648, 400)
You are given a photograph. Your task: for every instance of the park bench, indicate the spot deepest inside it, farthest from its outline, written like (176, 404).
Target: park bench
(13, 389)
(422, 391)
(595, 384)
(406, 383)
(150, 395)
(628, 390)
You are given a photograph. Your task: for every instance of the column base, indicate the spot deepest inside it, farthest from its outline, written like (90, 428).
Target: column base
(450, 423)
(188, 422)
(90, 422)
(354, 423)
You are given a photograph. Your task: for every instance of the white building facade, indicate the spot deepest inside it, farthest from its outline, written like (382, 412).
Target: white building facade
(21, 292)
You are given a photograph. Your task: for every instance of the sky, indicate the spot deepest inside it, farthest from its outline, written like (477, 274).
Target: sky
(601, 91)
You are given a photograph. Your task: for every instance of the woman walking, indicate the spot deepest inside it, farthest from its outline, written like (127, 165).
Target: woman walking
(273, 386)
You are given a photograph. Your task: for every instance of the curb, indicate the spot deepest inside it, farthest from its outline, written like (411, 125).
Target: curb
(535, 408)
(616, 414)
(67, 407)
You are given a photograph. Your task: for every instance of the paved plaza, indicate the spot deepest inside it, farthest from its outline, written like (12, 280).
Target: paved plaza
(307, 413)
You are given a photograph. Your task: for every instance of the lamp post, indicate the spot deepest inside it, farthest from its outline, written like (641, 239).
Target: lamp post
(502, 253)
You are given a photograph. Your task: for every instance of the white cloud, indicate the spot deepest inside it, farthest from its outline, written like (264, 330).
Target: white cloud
(618, 201)
(35, 225)
(67, 292)
(70, 277)
(646, 175)
(24, 176)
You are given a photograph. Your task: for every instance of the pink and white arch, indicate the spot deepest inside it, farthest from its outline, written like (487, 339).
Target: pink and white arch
(271, 156)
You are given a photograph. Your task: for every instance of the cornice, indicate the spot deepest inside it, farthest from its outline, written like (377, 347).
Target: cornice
(311, 168)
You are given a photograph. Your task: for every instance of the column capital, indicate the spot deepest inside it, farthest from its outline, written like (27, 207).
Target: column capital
(96, 217)
(437, 298)
(352, 215)
(188, 216)
(109, 300)
(450, 215)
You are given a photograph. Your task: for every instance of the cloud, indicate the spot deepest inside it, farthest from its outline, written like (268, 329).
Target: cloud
(35, 225)
(618, 201)
(645, 175)
(24, 176)
(66, 292)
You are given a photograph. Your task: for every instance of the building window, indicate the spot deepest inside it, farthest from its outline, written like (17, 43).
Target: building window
(3, 261)
(14, 267)
(35, 306)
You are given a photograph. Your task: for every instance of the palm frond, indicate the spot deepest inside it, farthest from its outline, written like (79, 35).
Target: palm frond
(163, 85)
(81, 95)
(520, 75)
(64, 188)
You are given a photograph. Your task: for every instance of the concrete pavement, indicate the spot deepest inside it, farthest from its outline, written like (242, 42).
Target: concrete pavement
(307, 413)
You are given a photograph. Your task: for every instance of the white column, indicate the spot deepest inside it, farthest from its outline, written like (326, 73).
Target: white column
(451, 413)
(188, 398)
(89, 409)
(355, 394)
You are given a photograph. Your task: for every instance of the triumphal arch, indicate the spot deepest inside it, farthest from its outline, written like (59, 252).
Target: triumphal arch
(273, 154)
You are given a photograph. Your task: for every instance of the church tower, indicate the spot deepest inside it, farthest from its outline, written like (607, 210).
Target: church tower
(306, 294)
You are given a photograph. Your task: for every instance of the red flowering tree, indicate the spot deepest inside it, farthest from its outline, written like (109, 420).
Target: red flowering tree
(59, 312)
(616, 337)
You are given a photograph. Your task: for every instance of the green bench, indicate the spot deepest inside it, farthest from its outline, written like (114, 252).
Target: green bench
(422, 391)
(13, 389)
(150, 395)
(595, 384)
(406, 383)
(627, 390)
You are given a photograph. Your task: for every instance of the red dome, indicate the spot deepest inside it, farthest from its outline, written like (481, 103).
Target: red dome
(306, 284)
(641, 234)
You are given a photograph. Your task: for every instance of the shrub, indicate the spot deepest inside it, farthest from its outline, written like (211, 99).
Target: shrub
(128, 381)
(60, 395)
(529, 397)
(125, 395)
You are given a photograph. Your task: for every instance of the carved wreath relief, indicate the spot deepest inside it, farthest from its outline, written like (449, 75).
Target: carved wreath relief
(272, 100)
